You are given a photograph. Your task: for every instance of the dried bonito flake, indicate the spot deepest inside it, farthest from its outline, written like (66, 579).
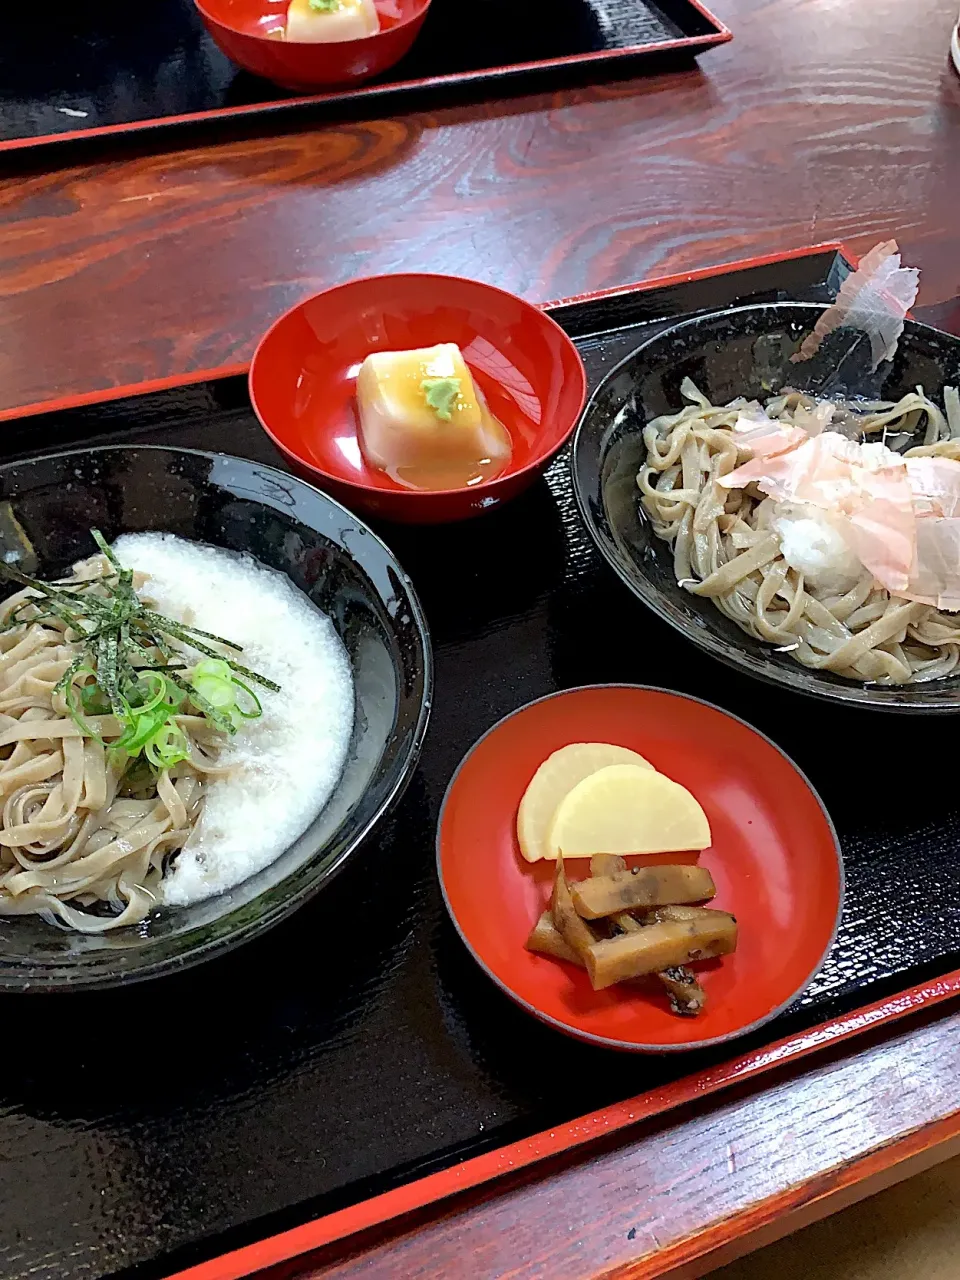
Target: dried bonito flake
(874, 299)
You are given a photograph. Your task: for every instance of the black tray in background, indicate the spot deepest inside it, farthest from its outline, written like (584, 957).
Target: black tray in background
(75, 75)
(146, 1129)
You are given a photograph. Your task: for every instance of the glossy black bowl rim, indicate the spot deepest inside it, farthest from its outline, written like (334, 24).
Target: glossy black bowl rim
(856, 695)
(88, 976)
(628, 1046)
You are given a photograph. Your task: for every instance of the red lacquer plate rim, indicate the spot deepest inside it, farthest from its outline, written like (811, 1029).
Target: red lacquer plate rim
(570, 1029)
(536, 463)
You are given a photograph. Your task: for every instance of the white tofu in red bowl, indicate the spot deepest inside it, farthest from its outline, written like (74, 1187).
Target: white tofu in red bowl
(310, 45)
(418, 398)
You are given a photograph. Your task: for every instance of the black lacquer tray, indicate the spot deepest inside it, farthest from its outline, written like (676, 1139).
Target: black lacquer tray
(76, 76)
(153, 1128)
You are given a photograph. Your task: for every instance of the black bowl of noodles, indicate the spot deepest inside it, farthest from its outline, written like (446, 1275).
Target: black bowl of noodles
(48, 506)
(745, 352)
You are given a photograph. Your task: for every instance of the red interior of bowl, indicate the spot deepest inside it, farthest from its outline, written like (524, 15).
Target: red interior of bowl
(262, 17)
(774, 859)
(303, 376)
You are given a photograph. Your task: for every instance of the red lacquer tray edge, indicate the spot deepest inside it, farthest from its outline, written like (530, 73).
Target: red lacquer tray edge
(706, 273)
(105, 395)
(720, 34)
(482, 1169)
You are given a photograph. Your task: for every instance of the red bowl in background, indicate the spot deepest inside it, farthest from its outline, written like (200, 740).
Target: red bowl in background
(303, 384)
(242, 29)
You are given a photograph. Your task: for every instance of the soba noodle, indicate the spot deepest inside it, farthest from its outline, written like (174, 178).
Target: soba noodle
(726, 544)
(86, 830)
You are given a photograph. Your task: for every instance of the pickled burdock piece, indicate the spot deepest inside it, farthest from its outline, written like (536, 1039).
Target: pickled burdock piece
(574, 930)
(675, 911)
(641, 887)
(625, 922)
(661, 946)
(686, 996)
(684, 992)
(546, 939)
(607, 864)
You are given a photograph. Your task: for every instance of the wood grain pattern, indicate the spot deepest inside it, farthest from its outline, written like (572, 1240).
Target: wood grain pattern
(682, 1199)
(821, 120)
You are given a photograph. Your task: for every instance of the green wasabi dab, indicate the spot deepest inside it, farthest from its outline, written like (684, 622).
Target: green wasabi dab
(441, 395)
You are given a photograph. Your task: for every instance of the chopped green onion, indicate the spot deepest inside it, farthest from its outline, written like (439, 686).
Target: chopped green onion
(167, 747)
(213, 681)
(93, 699)
(258, 709)
(118, 672)
(69, 691)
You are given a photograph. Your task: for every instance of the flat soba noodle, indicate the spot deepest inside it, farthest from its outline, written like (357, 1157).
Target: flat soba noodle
(78, 842)
(727, 541)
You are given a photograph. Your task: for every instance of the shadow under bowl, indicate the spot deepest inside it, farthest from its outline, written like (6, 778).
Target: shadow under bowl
(339, 564)
(744, 351)
(304, 373)
(246, 31)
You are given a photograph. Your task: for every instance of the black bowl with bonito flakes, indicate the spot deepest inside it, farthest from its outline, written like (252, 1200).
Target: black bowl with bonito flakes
(755, 572)
(214, 681)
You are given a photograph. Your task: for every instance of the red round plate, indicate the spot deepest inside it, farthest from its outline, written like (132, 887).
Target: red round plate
(304, 374)
(775, 861)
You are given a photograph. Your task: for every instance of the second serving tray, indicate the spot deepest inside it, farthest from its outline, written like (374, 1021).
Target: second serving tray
(93, 77)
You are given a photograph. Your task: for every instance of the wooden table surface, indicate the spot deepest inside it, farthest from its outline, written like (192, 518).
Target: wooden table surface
(823, 120)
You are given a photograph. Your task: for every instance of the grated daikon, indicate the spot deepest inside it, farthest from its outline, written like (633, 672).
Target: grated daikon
(811, 543)
(285, 765)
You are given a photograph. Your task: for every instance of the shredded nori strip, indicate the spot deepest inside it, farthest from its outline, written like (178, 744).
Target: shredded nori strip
(120, 637)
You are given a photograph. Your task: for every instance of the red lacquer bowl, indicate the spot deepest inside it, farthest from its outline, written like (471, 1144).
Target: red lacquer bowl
(242, 30)
(303, 384)
(774, 858)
